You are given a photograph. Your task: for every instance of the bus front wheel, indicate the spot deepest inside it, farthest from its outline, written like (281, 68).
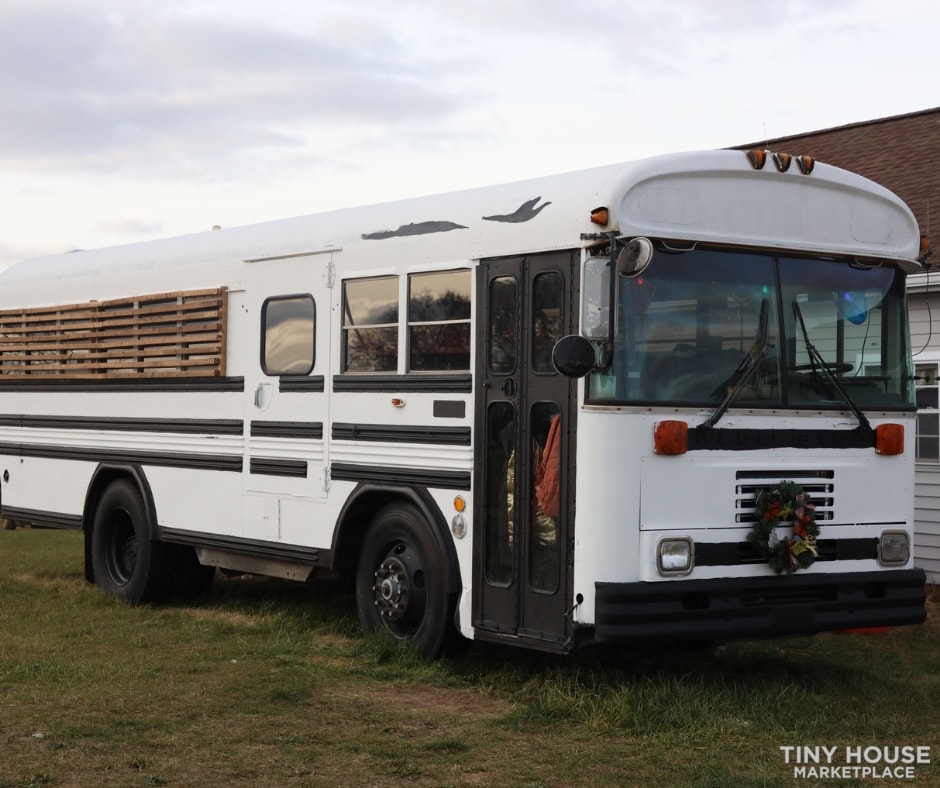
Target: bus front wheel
(401, 581)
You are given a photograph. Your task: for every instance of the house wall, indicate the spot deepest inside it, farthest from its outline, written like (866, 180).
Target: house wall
(924, 312)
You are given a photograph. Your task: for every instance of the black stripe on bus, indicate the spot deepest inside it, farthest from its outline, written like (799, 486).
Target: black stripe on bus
(186, 426)
(42, 518)
(308, 430)
(392, 433)
(293, 383)
(430, 384)
(204, 462)
(182, 384)
(772, 438)
(739, 553)
(270, 466)
(425, 477)
(254, 547)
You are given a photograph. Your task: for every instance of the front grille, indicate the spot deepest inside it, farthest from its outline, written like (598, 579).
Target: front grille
(819, 487)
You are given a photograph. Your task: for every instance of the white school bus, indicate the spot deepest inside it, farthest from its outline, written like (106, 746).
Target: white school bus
(663, 400)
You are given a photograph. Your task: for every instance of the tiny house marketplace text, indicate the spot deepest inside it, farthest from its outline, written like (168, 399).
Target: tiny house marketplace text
(851, 762)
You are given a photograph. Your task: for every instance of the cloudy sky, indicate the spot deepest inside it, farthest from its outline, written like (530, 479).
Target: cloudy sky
(124, 120)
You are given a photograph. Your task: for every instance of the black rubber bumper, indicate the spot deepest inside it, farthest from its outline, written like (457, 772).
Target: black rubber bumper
(757, 607)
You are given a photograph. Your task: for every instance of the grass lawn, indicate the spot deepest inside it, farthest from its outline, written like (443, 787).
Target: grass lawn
(270, 683)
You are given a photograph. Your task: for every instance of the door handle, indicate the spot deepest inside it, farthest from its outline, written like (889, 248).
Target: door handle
(509, 388)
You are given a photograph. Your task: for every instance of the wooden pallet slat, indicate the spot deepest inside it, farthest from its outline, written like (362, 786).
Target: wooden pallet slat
(168, 334)
(143, 340)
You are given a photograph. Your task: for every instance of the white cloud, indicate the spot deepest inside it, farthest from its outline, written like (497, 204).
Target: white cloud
(121, 90)
(123, 119)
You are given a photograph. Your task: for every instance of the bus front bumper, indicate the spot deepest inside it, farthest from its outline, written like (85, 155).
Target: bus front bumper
(758, 607)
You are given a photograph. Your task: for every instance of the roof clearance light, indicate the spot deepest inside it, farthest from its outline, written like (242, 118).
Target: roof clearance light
(600, 215)
(671, 437)
(757, 158)
(889, 439)
(806, 164)
(782, 160)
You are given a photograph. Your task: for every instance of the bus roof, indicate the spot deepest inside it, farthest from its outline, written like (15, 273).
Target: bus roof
(709, 196)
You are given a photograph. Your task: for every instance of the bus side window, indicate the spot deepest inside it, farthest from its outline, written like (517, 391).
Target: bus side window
(370, 324)
(288, 335)
(439, 321)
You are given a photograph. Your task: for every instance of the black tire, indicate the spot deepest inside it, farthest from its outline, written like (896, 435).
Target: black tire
(402, 582)
(127, 564)
(191, 580)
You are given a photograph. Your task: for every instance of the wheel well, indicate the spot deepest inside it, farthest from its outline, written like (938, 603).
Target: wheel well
(357, 514)
(103, 476)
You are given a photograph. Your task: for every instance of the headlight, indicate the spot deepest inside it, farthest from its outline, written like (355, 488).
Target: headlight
(675, 556)
(894, 548)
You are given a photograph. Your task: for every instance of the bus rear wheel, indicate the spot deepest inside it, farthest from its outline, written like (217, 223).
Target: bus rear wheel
(127, 564)
(401, 582)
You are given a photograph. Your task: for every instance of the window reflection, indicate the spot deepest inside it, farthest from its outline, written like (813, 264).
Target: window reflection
(370, 324)
(288, 326)
(503, 325)
(439, 321)
(547, 301)
(688, 328)
(500, 480)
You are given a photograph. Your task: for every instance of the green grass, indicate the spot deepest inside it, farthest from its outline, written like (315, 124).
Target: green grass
(270, 683)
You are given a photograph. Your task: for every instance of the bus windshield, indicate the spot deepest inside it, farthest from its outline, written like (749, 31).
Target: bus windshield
(768, 331)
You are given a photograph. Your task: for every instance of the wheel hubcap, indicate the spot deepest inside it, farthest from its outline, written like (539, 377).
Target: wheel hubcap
(399, 591)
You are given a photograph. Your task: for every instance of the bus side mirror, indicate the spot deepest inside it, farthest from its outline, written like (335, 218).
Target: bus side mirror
(574, 356)
(634, 256)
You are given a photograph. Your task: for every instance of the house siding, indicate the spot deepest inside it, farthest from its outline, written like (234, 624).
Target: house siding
(924, 314)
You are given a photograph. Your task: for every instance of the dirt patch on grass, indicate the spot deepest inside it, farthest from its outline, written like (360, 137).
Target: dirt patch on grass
(218, 615)
(427, 703)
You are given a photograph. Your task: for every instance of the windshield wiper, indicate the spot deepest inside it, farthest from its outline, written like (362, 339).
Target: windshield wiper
(746, 370)
(816, 358)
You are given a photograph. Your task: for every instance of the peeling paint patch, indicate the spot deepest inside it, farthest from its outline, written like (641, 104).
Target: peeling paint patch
(419, 228)
(523, 213)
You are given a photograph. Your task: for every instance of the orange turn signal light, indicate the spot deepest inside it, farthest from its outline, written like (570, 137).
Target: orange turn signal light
(671, 437)
(600, 215)
(889, 439)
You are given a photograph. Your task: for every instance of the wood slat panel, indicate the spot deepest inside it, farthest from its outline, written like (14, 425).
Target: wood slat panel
(161, 334)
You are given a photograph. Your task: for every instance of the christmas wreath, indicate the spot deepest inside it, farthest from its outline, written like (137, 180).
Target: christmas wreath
(785, 505)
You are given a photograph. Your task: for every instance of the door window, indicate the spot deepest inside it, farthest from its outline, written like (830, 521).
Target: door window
(501, 348)
(546, 496)
(288, 332)
(547, 292)
(500, 537)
